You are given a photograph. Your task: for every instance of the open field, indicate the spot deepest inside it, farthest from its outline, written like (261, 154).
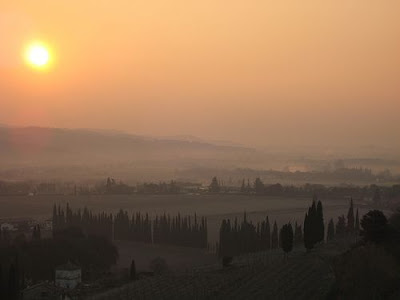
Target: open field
(214, 207)
(177, 258)
(206, 205)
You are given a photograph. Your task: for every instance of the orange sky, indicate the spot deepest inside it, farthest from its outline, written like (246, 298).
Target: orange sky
(257, 72)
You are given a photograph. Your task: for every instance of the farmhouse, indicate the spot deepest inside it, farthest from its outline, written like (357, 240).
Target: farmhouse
(68, 276)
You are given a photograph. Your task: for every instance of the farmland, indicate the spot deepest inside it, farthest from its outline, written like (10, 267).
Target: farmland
(263, 275)
(214, 207)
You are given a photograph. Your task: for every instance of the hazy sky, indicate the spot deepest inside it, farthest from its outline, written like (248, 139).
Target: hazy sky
(257, 72)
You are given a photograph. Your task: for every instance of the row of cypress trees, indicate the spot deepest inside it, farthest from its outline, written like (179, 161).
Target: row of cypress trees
(239, 238)
(343, 228)
(137, 228)
(164, 229)
(181, 231)
(236, 239)
(314, 228)
(100, 224)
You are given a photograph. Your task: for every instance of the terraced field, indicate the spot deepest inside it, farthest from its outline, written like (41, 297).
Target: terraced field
(258, 276)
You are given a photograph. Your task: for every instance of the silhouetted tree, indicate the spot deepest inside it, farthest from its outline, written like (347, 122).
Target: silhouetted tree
(132, 271)
(182, 231)
(275, 237)
(350, 218)
(357, 224)
(214, 186)
(374, 226)
(236, 239)
(267, 234)
(319, 223)
(308, 244)
(287, 238)
(248, 187)
(312, 226)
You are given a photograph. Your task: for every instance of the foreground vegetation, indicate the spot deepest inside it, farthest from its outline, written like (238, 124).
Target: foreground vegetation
(261, 275)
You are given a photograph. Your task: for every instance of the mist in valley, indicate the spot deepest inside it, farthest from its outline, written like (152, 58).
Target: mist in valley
(199, 150)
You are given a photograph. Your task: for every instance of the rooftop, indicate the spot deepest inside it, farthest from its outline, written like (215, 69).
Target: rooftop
(68, 267)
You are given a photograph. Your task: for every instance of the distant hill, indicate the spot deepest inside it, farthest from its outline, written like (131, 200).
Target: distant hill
(41, 146)
(58, 153)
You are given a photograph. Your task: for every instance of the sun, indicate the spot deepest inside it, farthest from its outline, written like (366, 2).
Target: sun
(37, 55)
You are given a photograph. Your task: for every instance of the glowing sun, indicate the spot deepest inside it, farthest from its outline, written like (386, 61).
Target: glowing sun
(37, 55)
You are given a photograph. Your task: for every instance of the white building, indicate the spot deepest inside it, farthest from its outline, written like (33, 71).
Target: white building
(68, 276)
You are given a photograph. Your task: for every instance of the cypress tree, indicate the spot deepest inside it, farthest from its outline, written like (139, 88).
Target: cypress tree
(133, 270)
(313, 226)
(357, 224)
(268, 234)
(275, 238)
(350, 218)
(320, 227)
(307, 233)
(312, 215)
(287, 238)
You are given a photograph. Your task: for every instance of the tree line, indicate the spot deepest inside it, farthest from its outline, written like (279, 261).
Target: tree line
(30, 261)
(245, 237)
(162, 229)
(12, 279)
(182, 231)
(135, 228)
(100, 224)
(258, 187)
(238, 238)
